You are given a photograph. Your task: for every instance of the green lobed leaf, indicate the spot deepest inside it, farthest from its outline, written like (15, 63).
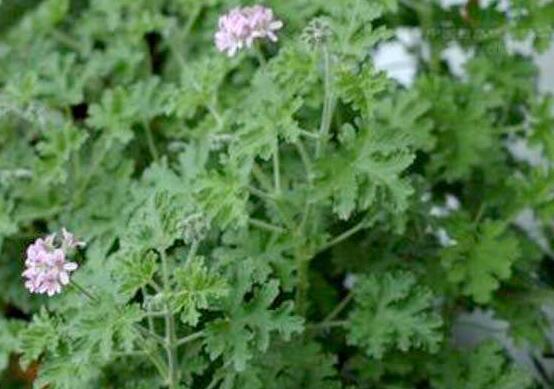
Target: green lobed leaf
(393, 312)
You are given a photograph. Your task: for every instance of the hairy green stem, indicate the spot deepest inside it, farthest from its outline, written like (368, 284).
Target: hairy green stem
(328, 325)
(218, 376)
(480, 213)
(305, 160)
(170, 332)
(155, 358)
(85, 292)
(266, 226)
(339, 308)
(328, 105)
(193, 250)
(150, 334)
(154, 285)
(265, 183)
(260, 193)
(215, 380)
(305, 215)
(191, 20)
(155, 314)
(134, 353)
(150, 140)
(345, 235)
(260, 55)
(149, 317)
(190, 338)
(308, 134)
(174, 49)
(212, 107)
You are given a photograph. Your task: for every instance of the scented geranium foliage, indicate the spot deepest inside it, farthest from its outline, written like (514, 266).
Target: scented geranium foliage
(264, 205)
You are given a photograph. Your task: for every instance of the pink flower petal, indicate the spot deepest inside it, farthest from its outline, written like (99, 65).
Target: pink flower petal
(70, 266)
(64, 278)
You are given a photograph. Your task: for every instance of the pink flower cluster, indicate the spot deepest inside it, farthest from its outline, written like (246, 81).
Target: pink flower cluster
(47, 270)
(241, 26)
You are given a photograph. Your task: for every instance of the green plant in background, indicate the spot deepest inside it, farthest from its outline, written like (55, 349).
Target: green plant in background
(261, 205)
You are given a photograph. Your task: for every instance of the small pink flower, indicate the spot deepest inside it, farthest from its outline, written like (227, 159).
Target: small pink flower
(241, 26)
(47, 270)
(262, 22)
(37, 250)
(49, 284)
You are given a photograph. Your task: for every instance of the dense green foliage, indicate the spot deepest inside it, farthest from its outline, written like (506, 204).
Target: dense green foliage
(272, 216)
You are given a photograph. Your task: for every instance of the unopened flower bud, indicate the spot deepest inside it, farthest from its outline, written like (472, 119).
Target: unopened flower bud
(316, 33)
(195, 227)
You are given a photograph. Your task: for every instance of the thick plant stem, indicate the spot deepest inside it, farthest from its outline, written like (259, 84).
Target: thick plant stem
(190, 338)
(170, 333)
(328, 105)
